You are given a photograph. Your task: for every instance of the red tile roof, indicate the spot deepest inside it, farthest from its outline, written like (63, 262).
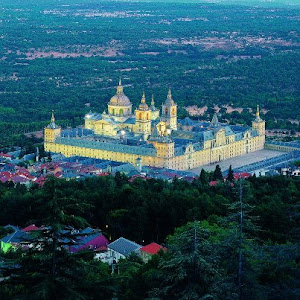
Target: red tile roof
(19, 179)
(238, 175)
(30, 228)
(134, 177)
(213, 183)
(5, 155)
(3, 179)
(103, 174)
(102, 248)
(153, 248)
(40, 180)
(6, 174)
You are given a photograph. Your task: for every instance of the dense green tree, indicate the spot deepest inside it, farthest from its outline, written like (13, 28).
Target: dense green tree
(217, 175)
(203, 177)
(147, 211)
(190, 270)
(230, 176)
(46, 270)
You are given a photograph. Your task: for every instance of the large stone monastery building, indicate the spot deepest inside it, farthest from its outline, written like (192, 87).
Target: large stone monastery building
(150, 137)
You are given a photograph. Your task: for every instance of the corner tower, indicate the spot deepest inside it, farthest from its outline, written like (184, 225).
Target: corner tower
(259, 124)
(169, 112)
(52, 131)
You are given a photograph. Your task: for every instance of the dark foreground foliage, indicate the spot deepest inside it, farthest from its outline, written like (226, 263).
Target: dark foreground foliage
(198, 224)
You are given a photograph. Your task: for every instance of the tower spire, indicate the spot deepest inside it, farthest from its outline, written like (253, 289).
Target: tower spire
(52, 122)
(257, 112)
(52, 117)
(214, 122)
(143, 98)
(143, 105)
(257, 116)
(120, 87)
(170, 93)
(152, 100)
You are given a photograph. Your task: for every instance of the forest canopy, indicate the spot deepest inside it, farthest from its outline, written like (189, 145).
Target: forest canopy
(69, 58)
(199, 225)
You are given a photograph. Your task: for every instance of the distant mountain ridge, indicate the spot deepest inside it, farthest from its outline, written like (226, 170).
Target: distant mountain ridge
(229, 2)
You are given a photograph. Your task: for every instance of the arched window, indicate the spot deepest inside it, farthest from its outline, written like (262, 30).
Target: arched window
(140, 116)
(121, 112)
(113, 111)
(167, 111)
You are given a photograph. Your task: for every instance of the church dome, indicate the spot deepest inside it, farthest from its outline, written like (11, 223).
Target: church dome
(120, 99)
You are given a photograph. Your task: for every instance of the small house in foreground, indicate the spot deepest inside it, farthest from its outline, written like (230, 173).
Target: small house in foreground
(121, 248)
(148, 251)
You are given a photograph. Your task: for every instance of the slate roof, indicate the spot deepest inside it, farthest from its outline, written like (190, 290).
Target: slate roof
(13, 227)
(16, 237)
(186, 135)
(254, 132)
(238, 128)
(179, 150)
(294, 144)
(87, 230)
(148, 150)
(85, 240)
(93, 116)
(187, 122)
(239, 136)
(124, 246)
(133, 173)
(73, 132)
(207, 135)
(201, 125)
(130, 121)
(228, 130)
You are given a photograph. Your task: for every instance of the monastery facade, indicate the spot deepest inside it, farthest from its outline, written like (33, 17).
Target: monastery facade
(152, 137)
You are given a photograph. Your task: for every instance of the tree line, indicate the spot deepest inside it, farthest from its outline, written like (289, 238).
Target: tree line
(199, 224)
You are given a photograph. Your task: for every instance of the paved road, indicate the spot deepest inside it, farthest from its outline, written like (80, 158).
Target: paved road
(240, 161)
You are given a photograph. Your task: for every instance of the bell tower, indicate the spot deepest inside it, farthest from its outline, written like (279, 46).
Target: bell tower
(154, 110)
(52, 131)
(143, 117)
(169, 112)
